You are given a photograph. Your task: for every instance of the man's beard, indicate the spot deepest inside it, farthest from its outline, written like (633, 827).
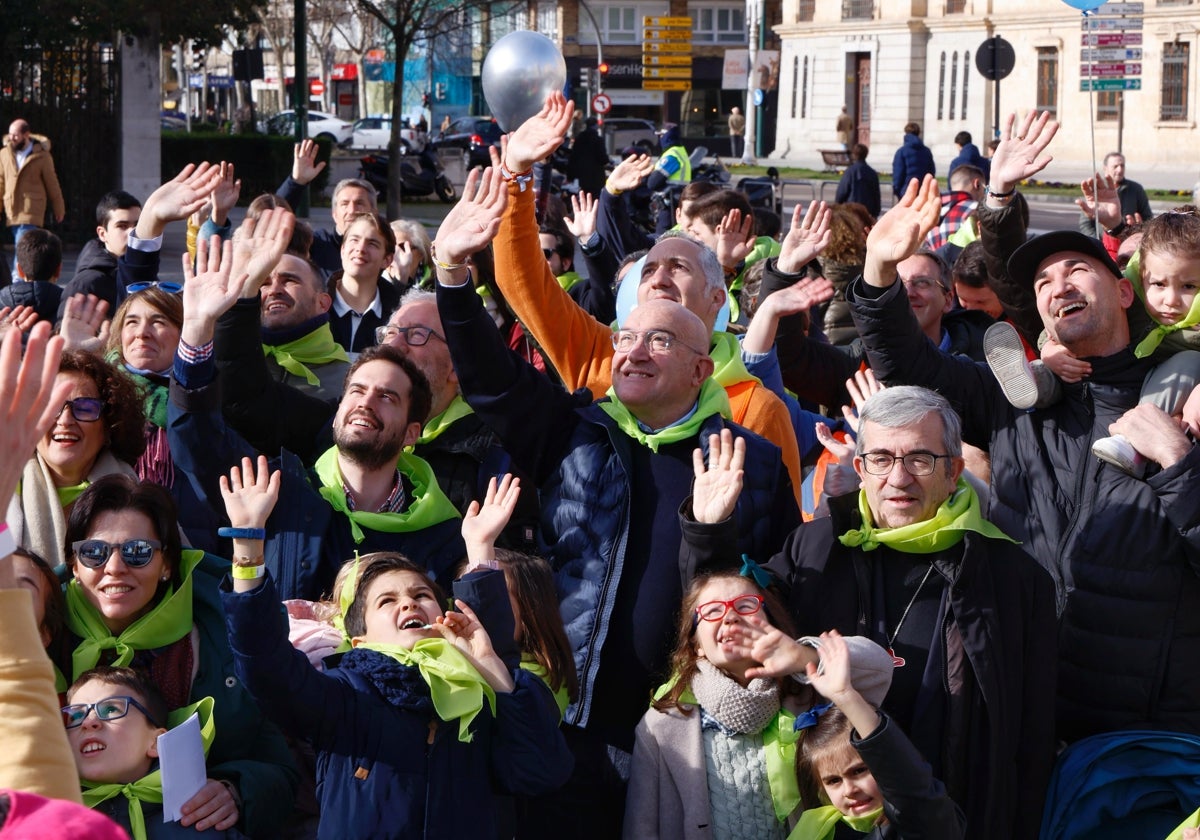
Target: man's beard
(369, 453)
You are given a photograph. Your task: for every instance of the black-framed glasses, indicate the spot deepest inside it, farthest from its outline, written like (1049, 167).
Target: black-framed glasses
(413, 336)
(915, 463)
(165, 285)
(742, 605)
(657, 341)
(135, 553)
(548, 252)
(110, 708)
(84, 409)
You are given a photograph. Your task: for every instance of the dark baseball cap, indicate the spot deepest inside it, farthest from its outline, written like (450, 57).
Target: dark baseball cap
(1024, 262)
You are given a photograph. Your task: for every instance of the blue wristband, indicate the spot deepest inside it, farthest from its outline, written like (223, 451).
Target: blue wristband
(243, 533)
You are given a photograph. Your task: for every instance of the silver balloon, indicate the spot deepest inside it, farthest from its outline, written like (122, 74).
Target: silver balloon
(520, 71)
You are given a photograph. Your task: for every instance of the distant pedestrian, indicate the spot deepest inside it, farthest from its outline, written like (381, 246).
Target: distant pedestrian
(860, 183)
(912, 160)
(968, 153)
(1135, 205)
(27, 180)
(845, 128)
(737, 132)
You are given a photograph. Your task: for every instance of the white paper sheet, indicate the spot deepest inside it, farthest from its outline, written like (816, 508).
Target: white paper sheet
(181, 759)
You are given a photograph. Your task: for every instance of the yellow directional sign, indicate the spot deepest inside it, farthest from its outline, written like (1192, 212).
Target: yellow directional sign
(667, 35)
(666, 84)
(667, 73)
(668, 60)
(677, 22)
(666, 48)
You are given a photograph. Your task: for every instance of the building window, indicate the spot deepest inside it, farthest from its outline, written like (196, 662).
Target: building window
(1047, 80)
(804, 92)
(795, 83)
(547, 18)
(1108, 105)
(620, 23)
(808, 8)
(953, 82)
(723, 24)
(942, 87)
(956, 7)
(1174, 81)
(962, 114)
(858, 9)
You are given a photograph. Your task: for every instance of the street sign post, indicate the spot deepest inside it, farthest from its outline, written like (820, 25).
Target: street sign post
(666, 84)
(995, 59)
(601, 103)
(1112, 54)
(1112, 39)
(1110, 84)
(666, 53)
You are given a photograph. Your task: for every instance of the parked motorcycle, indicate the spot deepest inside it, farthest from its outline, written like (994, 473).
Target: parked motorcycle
(420, 175)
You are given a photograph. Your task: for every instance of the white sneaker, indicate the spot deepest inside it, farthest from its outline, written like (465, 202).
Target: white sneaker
(1005, 354)
(1119, 452)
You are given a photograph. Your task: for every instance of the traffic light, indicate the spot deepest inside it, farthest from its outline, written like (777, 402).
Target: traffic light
(199, 52)
(440, 91)
(602, 68)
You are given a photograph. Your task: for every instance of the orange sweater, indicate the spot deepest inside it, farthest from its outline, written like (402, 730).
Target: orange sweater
(580, 348)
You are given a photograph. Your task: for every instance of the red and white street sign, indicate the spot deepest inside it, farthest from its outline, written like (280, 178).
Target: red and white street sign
(601, 103)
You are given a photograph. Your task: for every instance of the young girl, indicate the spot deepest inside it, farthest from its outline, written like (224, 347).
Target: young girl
(418, 718)
(875, 783)
(715, 755)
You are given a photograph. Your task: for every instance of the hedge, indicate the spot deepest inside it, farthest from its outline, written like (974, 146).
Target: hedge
(260, 161)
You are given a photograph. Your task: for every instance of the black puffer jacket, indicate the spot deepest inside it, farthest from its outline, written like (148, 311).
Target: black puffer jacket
(1124, 553)
(42, 295)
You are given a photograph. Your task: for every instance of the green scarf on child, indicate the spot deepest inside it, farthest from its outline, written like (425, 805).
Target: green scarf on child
(820, 823)
(149, 787)
(561, 698)
(169, 621)
(712, 400)
(457, 689)
(428, 507)
(947, 527)
(315, 348)
(1147, 346)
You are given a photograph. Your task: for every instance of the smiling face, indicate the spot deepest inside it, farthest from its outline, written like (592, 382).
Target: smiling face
(364, 251)
(848, 782)
(672, 271)
(371, 425)
(1082, 304)
(714, 639)
(1170, 281)
(399, 605)
(120, 593)
(929, 299)
(112, 751)
(148, 337)
(898, 498)
(71, 446)
(348, 203)
(292, 295)
(432, 357)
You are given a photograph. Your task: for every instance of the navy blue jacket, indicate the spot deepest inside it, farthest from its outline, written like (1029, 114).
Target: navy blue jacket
(582, 463)
(99, 273)
(326, 250)
(970, 155)
(860, 183)
(912, 160)
(42, 295)
(382, 772)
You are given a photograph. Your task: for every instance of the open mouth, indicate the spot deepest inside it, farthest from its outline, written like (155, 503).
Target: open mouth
(415, 623)
(1070, 309)
(65, 437)
(90, 747)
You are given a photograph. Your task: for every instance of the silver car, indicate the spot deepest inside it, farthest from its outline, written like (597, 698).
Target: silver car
(376, 133)
(622, 132)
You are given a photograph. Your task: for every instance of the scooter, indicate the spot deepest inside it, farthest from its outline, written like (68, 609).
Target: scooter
(429, 179)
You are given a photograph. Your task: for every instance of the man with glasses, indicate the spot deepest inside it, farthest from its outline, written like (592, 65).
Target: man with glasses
(968, 617)
(612, 475)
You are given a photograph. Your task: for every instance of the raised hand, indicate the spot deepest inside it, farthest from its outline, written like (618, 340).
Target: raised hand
(582, 222)
(861, 387)
(250, 493)
(1100, 201)
(177, 199)
(806, 238)
(777, 653)
(792, 300)
(225, 193)
(832, 680)
(19, 318)
(629, 173)
(537, 137)
(735, 238)
(304, 162)
(258, 245)
(464, 630)
(84, 325)
(474, 221)
(209, 291)
(483, 523)
(1021, 153)
(718, 484)
(900, 231)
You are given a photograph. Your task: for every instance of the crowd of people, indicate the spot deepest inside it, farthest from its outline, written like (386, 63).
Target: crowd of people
(546, 525)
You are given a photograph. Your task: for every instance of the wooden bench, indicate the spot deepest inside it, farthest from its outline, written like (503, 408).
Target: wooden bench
(836, 160)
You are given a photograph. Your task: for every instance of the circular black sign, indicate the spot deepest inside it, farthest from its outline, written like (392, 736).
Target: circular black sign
(995, 58)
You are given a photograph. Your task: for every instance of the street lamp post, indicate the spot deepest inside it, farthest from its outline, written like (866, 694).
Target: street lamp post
(753, 13)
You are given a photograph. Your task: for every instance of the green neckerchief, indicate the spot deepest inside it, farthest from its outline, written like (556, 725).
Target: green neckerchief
(1191, 822)
(1147, 346)
(169, 621)
(728, 368)
(568, 279)
(155, 395)
(428, 507)
(316, 348)
(820, 823)
(967, 233)
(561, 698)
(957, 515)
(779, 752)
(66, 495)
(434, 426)
(149, 787)
(713, 400)
(457, 688)
(764, 247)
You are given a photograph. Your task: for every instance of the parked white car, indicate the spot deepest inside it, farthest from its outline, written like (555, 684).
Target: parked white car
(320, 124)
(376, 133)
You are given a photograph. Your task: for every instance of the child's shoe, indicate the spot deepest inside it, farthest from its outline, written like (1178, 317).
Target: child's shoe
(1025, 384)
(1119, 452)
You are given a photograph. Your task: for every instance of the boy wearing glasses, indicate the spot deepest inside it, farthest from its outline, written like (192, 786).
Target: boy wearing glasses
(968, 617)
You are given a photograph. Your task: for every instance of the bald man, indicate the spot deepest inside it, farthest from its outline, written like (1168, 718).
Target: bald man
(28, 181)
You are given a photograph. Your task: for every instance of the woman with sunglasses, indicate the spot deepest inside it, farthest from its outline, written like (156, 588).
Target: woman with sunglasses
(98, 432)
(137, 598)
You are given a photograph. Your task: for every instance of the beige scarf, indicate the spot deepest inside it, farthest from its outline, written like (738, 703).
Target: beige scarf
(36, 515)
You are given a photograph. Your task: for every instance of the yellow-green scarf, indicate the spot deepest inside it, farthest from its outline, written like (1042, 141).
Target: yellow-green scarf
(1147, 346)
(434, 426)
(561, 698)
(726, 354)
(457, 688)
(169, 621)
(428, 507)
(957, 515)
(713, 400)
(1191, 822)
(568, 279)
(316, 348)
(820, 823)
(66, 495)
(149, 787)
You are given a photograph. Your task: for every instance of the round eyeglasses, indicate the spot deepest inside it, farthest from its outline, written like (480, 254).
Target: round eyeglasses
(657, 341)
(742, 605)
(134, 553)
